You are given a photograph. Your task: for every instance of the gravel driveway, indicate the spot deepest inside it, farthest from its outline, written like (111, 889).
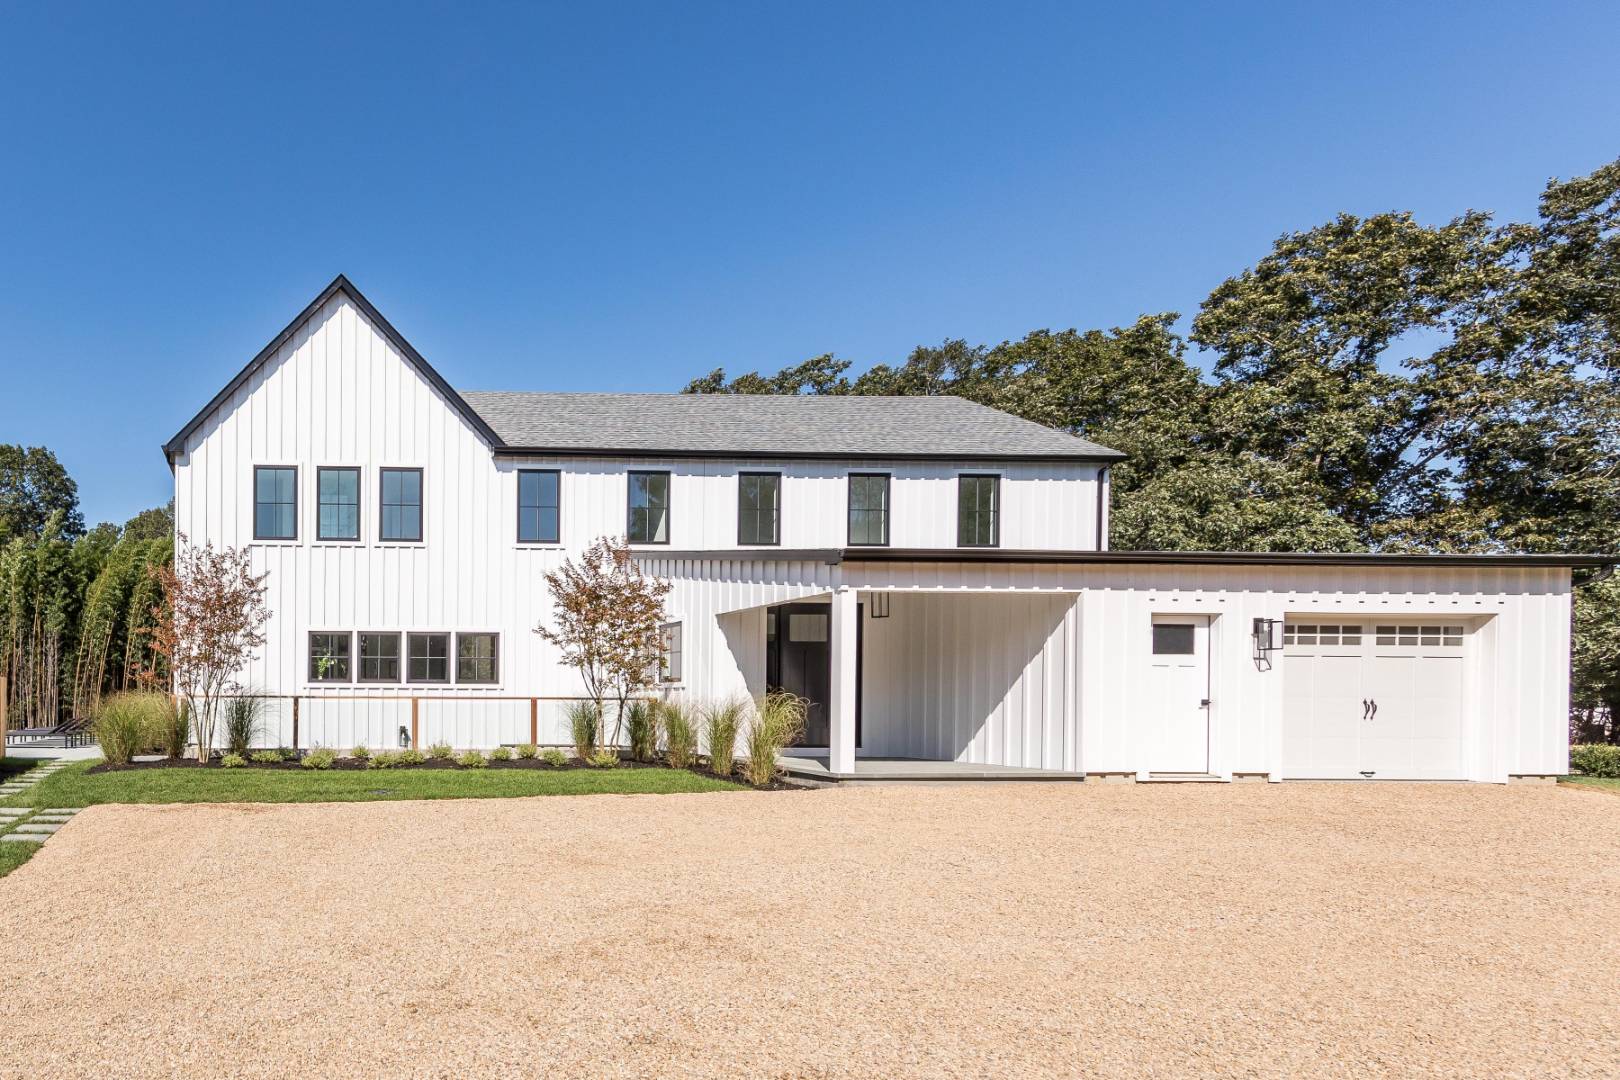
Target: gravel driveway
(963, 931)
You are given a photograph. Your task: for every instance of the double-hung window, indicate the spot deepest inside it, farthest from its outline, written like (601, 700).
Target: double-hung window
(868, 509)
(329, 655)
(669, 652)
(759, 508)
(478, 658)
(379, 657)
(649, 508)
(978, 510)
(401, 504)
(275, 502)
(539, 506)
(337, 504)
(427, 658)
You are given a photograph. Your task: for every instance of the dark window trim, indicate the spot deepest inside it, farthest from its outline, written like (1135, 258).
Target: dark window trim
(359, 661)
(449, 657)
(888, 509)
(284, 539)
(669, 508)
(421, 505)
(309, 647)
(518, 525)
(495, 657)
(995, 515)
(759, 543)
(359, 504)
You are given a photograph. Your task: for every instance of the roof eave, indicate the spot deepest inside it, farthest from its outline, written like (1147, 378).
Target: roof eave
(511, 450)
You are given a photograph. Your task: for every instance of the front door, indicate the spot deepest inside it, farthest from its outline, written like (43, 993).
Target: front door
(798, 660)
(1178, 712)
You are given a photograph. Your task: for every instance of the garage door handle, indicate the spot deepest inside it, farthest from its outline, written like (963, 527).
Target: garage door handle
(1365, 705)
(1374, 714)
(1203, 703)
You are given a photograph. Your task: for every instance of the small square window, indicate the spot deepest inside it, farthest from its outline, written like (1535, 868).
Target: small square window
(428, 659)
(1173, 639)
(478, 658)
(379, 658)
(329, 655)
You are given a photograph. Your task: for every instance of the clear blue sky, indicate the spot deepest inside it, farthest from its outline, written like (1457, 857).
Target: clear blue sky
(579, 197)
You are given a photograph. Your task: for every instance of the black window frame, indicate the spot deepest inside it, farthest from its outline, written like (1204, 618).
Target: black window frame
(257, 469)
(411, 637)
(359, 503)
(348, 658)
(521, 473)
(850, 511)
(494, 658)
(994, 511)
(382, 504)
(630, 507)
(671, 672)
(776, 530)
(398, 657)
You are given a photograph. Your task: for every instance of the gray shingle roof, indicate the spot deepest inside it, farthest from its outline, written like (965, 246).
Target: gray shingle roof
(771, 425)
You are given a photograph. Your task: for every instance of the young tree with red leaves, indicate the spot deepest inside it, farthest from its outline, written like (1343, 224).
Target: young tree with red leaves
(208, 626)
(607, 619)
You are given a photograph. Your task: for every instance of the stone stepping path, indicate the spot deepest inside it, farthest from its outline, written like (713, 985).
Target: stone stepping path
(23, 781)
(38, 828)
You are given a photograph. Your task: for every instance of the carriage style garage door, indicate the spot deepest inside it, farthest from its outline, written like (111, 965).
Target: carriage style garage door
(1380, 699)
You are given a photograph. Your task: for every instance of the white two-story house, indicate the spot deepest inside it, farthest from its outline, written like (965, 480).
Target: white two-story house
(932, 574)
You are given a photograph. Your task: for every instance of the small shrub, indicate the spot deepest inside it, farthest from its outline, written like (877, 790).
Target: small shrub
(174, 726)
(1597, 759)
(242, 723)
(383, 759)
(680, 734)
(554, 757)
(500, 753)
(266, 757)
(319, 758)
(441, 751)
(643, 718)
(583, 719)
(126, 723)
(360, 752)
(412, 756)
(527, 751)
(721, 723)
(604, 759)
(472, 759)
(778, 721)
(232, 761)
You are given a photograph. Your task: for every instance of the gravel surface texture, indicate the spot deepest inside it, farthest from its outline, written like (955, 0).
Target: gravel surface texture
(994, 931)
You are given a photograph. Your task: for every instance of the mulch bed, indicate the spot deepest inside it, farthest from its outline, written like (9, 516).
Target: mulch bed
(349, 764)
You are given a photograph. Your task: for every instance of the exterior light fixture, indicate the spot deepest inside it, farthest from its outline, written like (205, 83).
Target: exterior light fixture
(1268, 638)
(880, 605)
(404, 737)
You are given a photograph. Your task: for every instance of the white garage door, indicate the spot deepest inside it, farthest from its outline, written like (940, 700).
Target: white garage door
(1379, 699)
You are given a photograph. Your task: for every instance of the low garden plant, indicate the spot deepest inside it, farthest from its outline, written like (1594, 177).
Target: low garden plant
(266, 757)
(604, 759)
(360, 752)
(584, 717)
(527, 751)
(643, 722)
(554, 757)
(778, 721)
(1595, 759)
(411, 756)
(384, 759)
(321, 757)
(680, 734)
(241, 724)
(721, 723)
(127, 723)
(232, 761)
(472, 759)
(501, 753)
(441, 751)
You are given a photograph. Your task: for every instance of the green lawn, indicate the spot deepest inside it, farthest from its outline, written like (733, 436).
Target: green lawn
(1600, 782)
(73, 786)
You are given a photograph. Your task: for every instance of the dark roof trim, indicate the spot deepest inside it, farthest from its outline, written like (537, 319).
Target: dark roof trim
(833, 556)
(782, 455)
(340, 284)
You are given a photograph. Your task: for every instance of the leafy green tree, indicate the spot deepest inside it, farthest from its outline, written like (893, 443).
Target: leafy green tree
(154, 524)
(33, 486)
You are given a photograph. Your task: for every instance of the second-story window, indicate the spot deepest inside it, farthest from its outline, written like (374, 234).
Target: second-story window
(759, 508)
(649, 508)
(275, 502)
(978, 511)
(337, 509)
(868, 509)
(402, 504)
(538, 506)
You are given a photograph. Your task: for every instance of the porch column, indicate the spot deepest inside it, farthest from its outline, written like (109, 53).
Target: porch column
(841, 703)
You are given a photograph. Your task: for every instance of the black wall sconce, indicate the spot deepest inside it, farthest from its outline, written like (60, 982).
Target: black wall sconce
(404, 737)
(880, 605)
(1268, 638)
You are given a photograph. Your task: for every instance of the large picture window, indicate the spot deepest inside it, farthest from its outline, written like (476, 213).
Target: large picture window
(759, 508)
(379, 657)
(329, 656)
(337, 504)
(478, 658)
(402, 504)
(649, 508)
(978, 511)
(868, 509)
(275, 502)
(539, 506)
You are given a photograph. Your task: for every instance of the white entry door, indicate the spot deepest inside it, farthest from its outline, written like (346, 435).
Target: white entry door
(1178, 718)
(1374, 700)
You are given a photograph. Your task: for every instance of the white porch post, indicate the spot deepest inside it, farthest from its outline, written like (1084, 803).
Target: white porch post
(841, 707)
